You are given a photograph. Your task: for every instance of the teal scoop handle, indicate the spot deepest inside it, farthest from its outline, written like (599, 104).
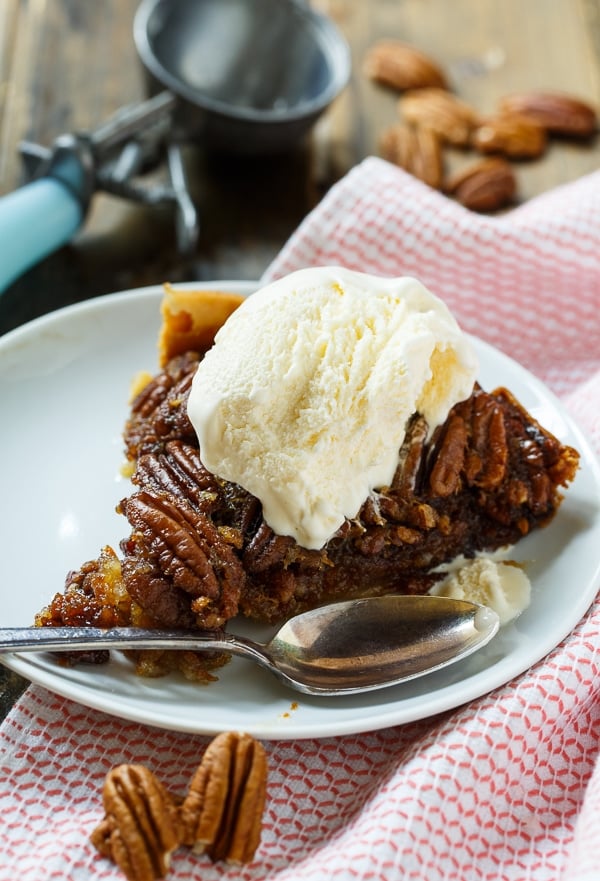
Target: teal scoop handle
(42, 216)
(35, 220)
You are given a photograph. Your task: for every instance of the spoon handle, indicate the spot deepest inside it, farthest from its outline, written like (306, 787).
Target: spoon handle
(68, 639)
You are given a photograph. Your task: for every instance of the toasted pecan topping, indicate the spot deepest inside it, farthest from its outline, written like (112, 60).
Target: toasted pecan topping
(446, 473)
(159, 412)
(178, 471)
(190, 553)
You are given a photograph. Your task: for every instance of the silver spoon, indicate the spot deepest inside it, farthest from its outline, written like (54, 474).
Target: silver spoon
(342, 648)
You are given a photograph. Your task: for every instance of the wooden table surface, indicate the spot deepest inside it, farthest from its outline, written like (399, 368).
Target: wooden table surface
(68, 65)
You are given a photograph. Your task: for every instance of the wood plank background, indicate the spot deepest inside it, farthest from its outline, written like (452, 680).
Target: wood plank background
(68, 64)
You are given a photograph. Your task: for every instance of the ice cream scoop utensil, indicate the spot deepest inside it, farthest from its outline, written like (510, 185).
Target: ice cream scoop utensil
(342, 648)
(242, 76)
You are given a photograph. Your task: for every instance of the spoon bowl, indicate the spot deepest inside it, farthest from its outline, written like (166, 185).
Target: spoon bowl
(342, 648)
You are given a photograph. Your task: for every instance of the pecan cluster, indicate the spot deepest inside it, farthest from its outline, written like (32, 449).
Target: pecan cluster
(158, 413)
(220, 815)
(520, 127)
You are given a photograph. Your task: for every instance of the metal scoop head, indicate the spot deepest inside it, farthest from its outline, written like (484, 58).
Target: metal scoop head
(252, 75)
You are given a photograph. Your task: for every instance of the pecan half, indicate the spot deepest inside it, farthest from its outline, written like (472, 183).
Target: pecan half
(406, 482)
(449, 461)
(400, 66)
(516, 136)
(416, 150)
(484, 186)
(488, 455)
(222, 812)
(178, 471)
(190, 553)
(558, 113)
(139, 830)
(159, 411)
(451, 119)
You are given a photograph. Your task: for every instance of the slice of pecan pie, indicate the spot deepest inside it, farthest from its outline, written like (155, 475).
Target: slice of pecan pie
(199, 552)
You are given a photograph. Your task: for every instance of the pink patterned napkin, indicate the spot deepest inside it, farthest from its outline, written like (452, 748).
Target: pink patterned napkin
(506, 787)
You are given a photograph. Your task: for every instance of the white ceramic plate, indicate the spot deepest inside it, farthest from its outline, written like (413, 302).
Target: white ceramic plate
(64, 382)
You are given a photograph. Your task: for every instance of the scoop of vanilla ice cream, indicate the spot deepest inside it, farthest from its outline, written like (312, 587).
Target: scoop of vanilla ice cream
(304, 398)
(502, 586)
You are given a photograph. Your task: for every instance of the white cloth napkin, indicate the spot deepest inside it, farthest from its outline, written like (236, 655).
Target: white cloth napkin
(506, 787)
